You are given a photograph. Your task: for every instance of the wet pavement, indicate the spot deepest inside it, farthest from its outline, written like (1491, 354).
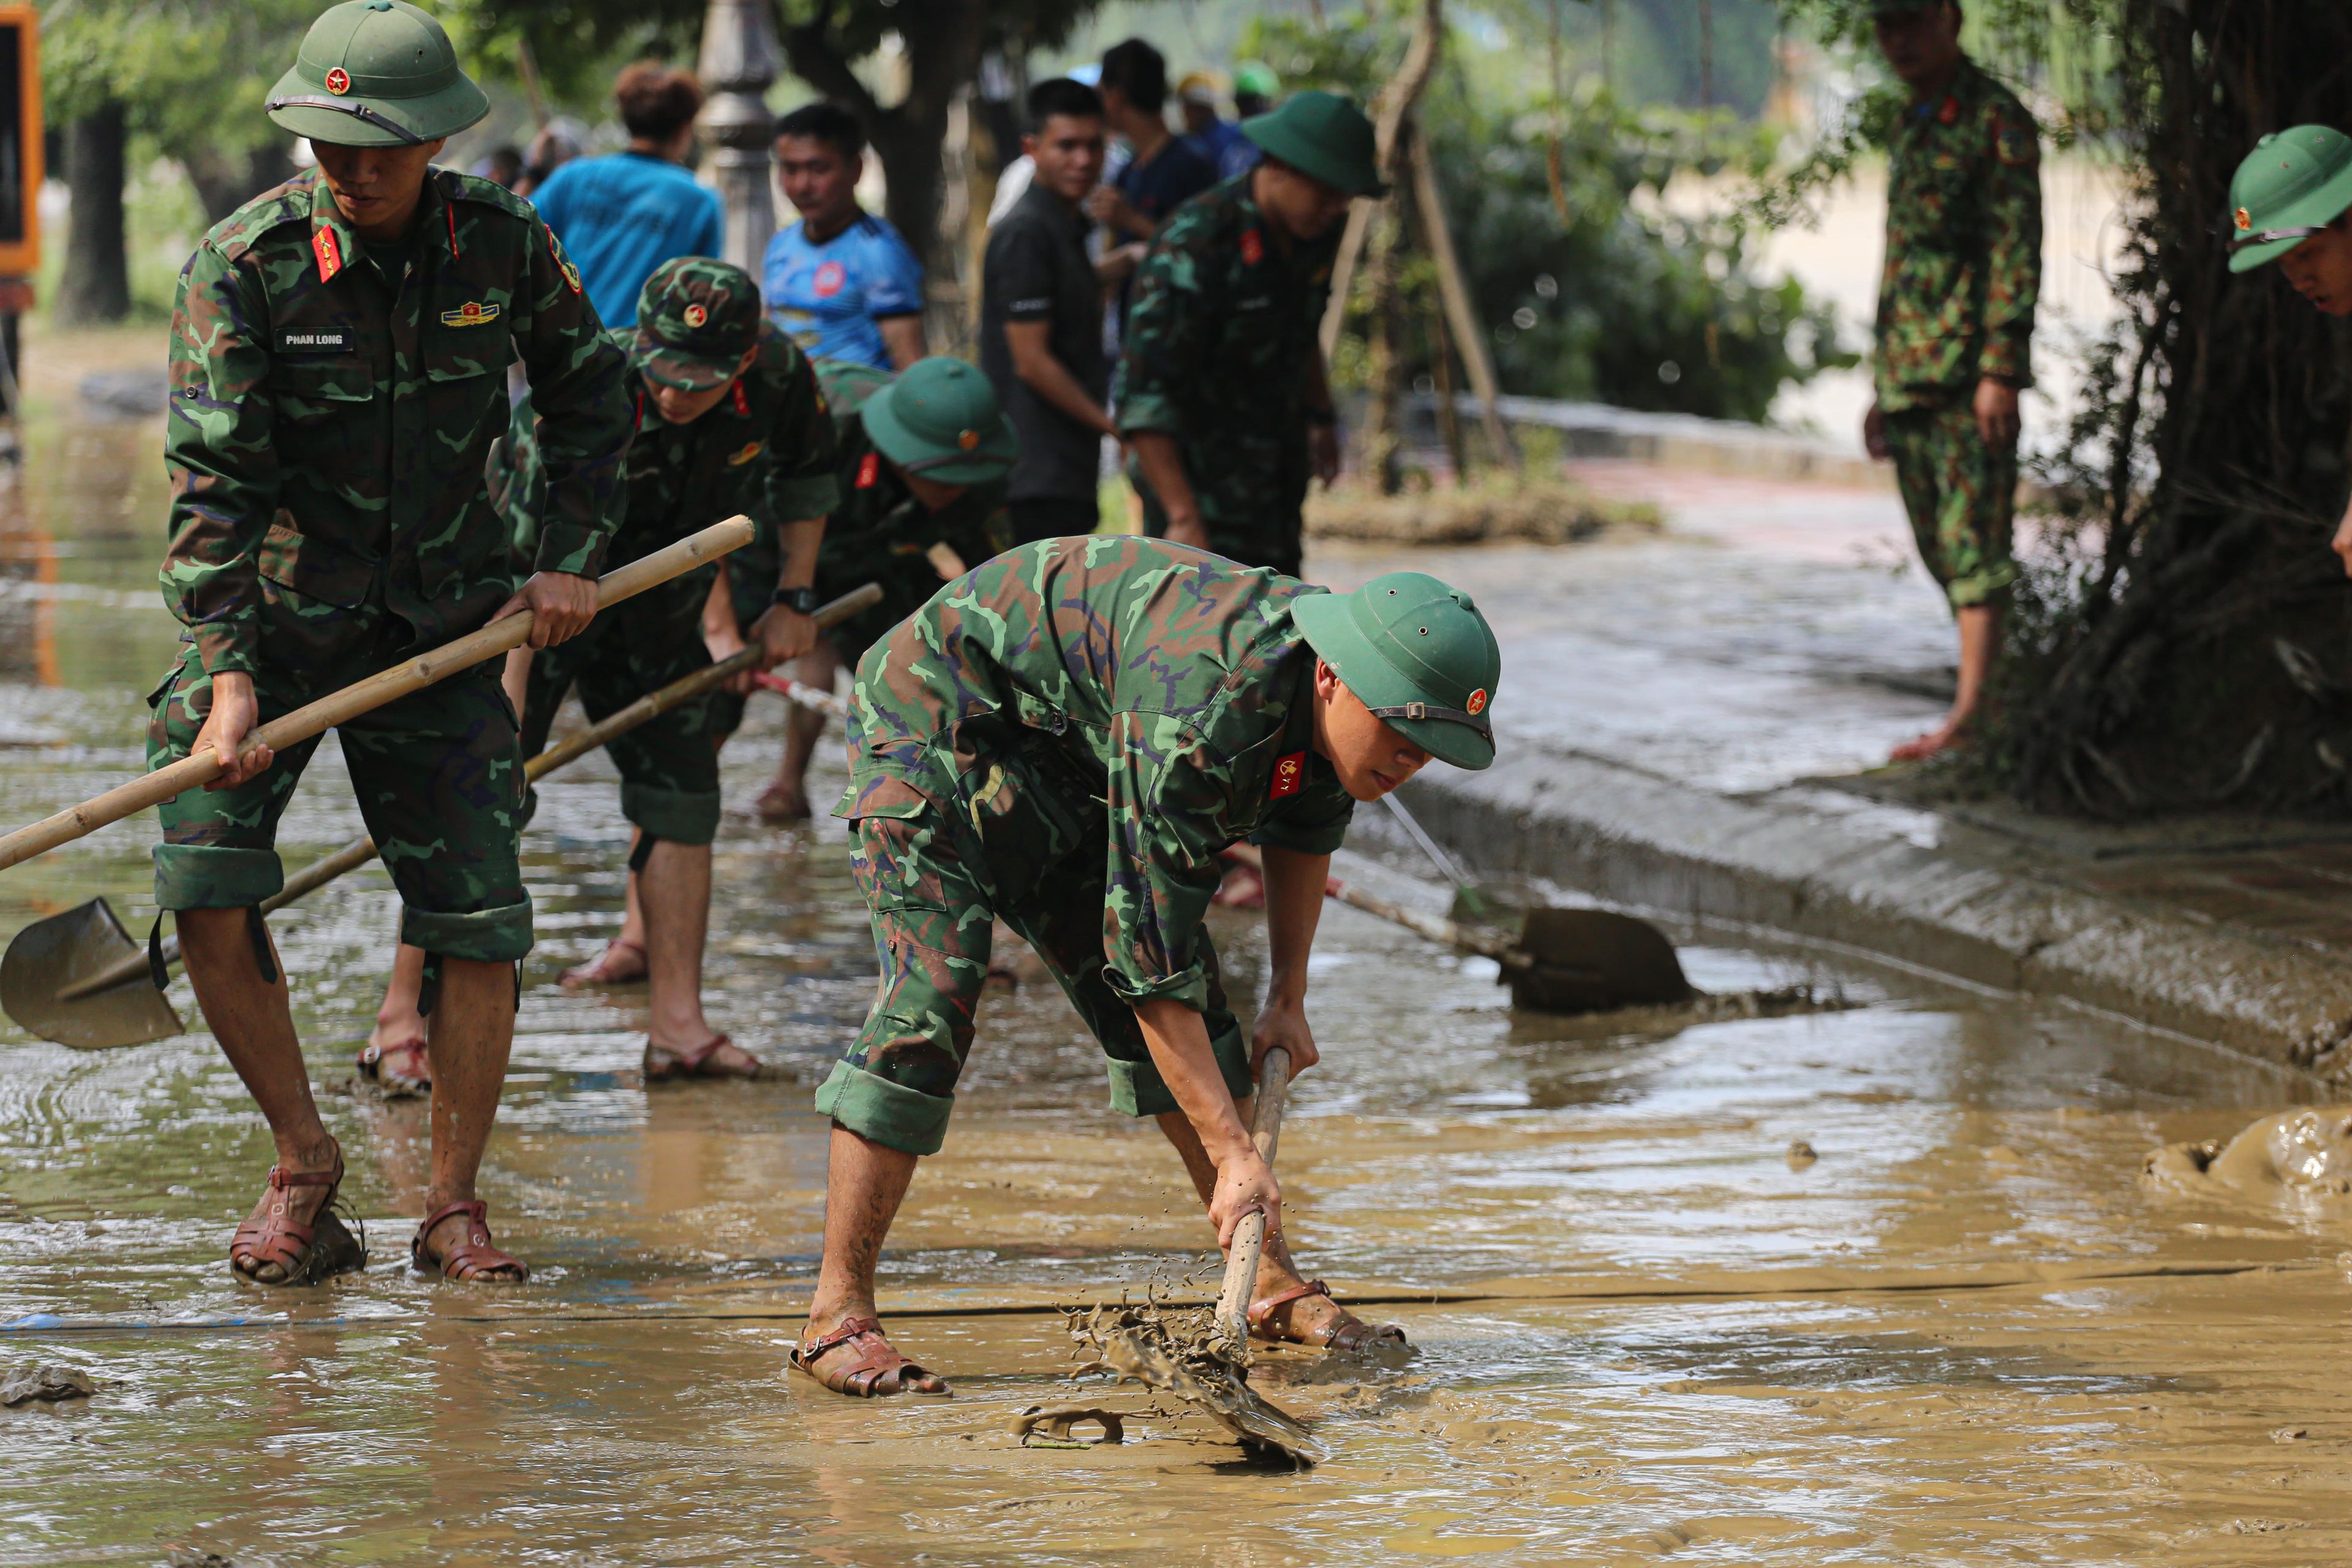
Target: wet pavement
(1967, 1330)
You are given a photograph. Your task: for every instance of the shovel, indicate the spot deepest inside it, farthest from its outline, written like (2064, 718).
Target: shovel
(79, 980)
(1565, 960)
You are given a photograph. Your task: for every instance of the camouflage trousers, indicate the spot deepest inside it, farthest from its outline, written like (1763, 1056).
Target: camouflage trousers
(1961, 496)
(439, 781)
(1034, 853)
(669, 765)
(1271, 534)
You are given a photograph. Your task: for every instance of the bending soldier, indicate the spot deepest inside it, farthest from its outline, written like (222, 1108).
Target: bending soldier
(729, 419)
(1066, 738)
(338, 349)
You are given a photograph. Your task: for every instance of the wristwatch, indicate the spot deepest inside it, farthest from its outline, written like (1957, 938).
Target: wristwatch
(799, 601)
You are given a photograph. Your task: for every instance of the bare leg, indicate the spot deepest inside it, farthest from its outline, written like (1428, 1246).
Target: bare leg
(1980, 644)
(786, 799)
(472, 1031)
(865, 1184)
(625, 957)
(1308, 1317)
(254, 1022)
(398, 1024)
(676, 887)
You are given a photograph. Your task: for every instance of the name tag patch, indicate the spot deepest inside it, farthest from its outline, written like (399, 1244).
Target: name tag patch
(316, 341)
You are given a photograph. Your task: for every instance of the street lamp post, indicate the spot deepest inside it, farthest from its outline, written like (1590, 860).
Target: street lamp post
(739, 61)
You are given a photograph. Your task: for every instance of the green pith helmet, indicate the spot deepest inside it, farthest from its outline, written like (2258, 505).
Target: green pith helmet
(939, 420)
(1322, 134)
(376, 73)
(1415, 652)
(2292, 185)
(1256, 79)
(695, 318)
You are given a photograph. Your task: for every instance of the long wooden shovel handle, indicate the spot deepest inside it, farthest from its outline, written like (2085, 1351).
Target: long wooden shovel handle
(1436, 928)
(1249, 1237)
(807, 696)
(317, 718)
(360, 851)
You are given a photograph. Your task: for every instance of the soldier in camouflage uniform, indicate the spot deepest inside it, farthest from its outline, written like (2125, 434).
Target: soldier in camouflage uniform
(729, 420)
(1956, 324)
(1222, 389)
(911, 513)
(338, 349)
(1066, 738)
(2291, 202)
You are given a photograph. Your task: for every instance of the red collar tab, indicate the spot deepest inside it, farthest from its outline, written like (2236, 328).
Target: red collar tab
(742, 403)
(1950, 113)
(1289, 774)
(451, 208)
(325, 245)
(1253, 247)
(869, 469)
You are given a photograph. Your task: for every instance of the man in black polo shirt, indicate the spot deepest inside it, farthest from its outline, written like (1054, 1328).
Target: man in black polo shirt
(1041, 320)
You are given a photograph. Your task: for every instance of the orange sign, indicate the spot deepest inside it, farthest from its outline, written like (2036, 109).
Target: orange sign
(20, 141)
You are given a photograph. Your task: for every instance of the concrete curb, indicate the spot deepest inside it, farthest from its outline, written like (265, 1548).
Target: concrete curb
(1984, 909)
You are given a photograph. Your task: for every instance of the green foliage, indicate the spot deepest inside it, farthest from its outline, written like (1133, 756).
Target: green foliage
(186, 71)
(1597, 291)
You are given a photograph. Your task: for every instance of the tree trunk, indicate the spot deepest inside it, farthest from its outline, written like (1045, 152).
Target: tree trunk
(96, 286)
(1395, 103)
(2195, 658)
(224, 184)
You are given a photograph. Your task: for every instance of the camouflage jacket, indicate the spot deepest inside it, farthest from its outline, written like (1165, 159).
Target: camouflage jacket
(1175, 682)
(878, 529)
(1963, 245)
(328, 426)
(1220, 351)
(765, 450)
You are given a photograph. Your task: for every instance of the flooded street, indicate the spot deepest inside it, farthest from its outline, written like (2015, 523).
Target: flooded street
(1967, 1330)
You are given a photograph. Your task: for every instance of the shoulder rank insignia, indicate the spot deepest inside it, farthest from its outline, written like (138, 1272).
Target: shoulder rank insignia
(472, 313)
(748, 451)
(1289, 773)
(563, 262)
(330, 254)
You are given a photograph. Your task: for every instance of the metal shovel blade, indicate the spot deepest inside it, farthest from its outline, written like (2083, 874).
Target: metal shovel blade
(1594, 960)
(50, 956)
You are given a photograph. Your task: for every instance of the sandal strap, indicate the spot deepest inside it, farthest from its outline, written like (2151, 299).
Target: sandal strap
(691, 1061)
(1260, 1311)
(850, 1329)
(474, 1209)
(280, 1177)
(473, 1255)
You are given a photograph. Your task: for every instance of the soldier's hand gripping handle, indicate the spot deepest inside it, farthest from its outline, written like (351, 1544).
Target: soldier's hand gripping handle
(235, 713)
(560, 605)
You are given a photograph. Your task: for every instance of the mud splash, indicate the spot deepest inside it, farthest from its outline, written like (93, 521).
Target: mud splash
(2303, 1156)
(1183, 1352)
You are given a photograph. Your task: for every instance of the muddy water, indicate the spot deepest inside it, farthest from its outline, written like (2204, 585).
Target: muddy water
(1968, 1331)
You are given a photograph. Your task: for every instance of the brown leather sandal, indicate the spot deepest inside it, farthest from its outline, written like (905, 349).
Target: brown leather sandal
(879, 1371)
(402, 1069)
(1349, 1335)
(605, 969)
(474, 1258)
(661, 1062)
(298, 1253)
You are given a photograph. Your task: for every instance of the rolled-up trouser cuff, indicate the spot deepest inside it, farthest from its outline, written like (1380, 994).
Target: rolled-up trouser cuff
(214, 876)
(1138, 1089)
(890, 1114)
(501, 935)
(681, 816)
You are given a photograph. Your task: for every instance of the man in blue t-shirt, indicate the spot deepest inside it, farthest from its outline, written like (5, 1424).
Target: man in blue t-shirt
(1163, 174)
(1220, 142)
(621, 217)
(840, 282)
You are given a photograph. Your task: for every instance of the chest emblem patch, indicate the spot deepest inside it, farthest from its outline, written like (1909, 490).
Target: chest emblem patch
(869, 469)
(330, 253)
(751, 450)
(472, 313)
(338, 81)
(829, 279)
(1289, 773)
(1253, 247)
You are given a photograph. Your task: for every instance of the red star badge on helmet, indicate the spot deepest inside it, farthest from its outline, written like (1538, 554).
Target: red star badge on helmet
(695, 315)
(2246, 219)
(1477, 703)
(338, 81)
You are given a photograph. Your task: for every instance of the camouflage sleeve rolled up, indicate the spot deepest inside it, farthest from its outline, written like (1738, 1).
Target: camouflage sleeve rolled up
(1168, 326)
(585, 418)
(223, 463)
(799, 482)
(2014, 252)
